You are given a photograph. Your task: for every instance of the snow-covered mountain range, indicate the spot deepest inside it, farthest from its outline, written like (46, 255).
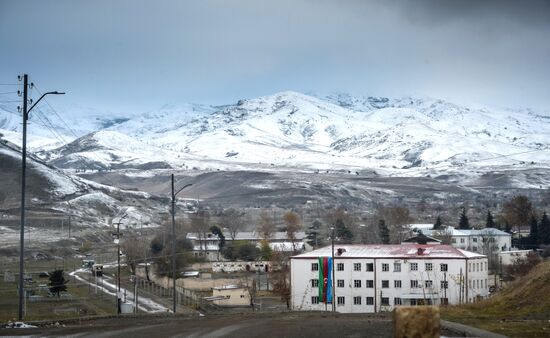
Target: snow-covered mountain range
(405, 136)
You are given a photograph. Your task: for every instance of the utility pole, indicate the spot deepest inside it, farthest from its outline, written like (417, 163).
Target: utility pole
(173, 248)
(23, 182)
(23, 186)
(174, 241)
(333, 275)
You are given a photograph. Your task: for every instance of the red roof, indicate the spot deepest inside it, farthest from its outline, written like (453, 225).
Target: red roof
(391, 251)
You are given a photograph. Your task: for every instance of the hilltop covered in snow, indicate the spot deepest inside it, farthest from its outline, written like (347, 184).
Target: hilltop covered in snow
(404, 136)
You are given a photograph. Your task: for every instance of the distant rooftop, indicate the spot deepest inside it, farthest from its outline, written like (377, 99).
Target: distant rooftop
(404, 251)
(469, 232)
(248, 235)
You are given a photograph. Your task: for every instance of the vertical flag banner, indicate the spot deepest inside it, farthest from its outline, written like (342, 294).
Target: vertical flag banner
(325, 279)
(329, 281)
(321, 276)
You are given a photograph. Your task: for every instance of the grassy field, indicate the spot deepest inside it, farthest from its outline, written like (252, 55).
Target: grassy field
(80, 299)
(521, 310)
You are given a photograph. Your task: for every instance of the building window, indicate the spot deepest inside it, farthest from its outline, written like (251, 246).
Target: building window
(453, 240)
(396, 267)
(397, 301)
(314, 266)
(385, 284)
(385, 267)
(356, 266)
(413, 302)
(385, 301)
(444, 267)
(370, 283)
(429, 266)
(444, 284)
(314, 283)
(474, 248)
(357, 300)
(414, 266)
(462, 240)
(340, 267)
(370, 301)
(429, 284)
(357, 283)
(414, 284)
(340, 283)
(444, 301)
(474, 239)
(315, 300)
(396, 283)
(341, 300)
(370, 267)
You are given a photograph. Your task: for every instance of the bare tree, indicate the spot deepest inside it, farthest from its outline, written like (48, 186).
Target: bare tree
(396, 217)
(200, 225)
(293, 225)
(281, 277)
(490, 249)
(267, 227)
(444, 235)
(232, 219)
(134, 250)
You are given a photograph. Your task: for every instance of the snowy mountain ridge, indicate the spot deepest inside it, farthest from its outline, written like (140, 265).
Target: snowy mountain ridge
(290, 129)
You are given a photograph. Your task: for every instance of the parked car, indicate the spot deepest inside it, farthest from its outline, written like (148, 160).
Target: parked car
(18, 325)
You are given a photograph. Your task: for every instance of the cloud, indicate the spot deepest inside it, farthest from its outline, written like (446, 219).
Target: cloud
(139, 54)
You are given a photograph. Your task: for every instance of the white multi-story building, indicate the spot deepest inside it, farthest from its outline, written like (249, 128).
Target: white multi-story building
(373, 278)
(486, 240)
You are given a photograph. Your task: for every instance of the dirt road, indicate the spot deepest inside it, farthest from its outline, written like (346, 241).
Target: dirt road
(213, 326)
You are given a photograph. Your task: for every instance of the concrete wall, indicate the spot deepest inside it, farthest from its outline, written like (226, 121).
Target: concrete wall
(240, 266)
(509, 257)
(235, 296)
(195, 284)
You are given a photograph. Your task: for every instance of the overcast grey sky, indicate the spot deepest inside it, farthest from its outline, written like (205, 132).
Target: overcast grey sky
(137, 55)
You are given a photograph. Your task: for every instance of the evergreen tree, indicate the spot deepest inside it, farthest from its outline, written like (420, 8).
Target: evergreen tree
(464, 223)
(384, 232)
(313, 234)
(342, 232)
(437, 224)
(533, 231)
(57, 282)
(490, 223)
(218, 232)
(544, 229)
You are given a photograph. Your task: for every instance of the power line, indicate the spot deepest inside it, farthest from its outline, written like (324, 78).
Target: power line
(58, 116)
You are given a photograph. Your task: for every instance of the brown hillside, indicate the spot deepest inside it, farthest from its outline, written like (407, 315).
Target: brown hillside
(520, 310)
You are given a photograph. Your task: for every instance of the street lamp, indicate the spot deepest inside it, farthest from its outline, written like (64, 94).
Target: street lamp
(174, 241)
(117, 241)
(23, 182)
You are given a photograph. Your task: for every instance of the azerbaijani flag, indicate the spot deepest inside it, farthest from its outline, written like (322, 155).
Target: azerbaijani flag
(325, 279)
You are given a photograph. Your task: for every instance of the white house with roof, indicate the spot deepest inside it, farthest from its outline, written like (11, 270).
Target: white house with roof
(207, 245)
(374, 278)
(486, 240)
